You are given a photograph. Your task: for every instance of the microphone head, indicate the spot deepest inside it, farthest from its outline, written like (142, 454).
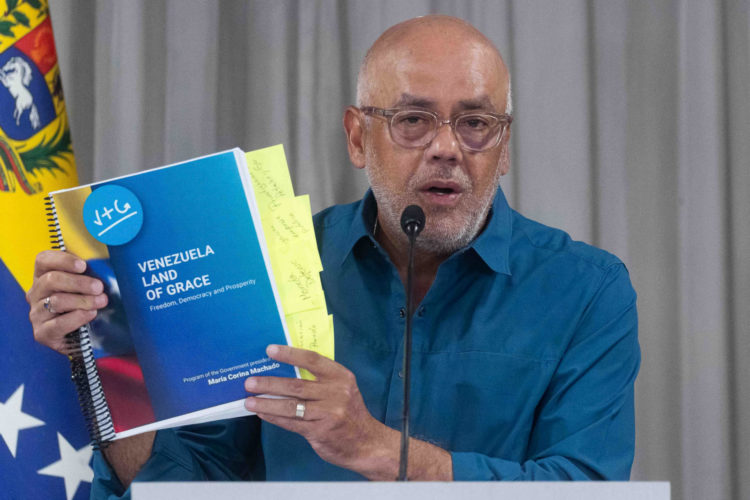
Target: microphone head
(412, 220)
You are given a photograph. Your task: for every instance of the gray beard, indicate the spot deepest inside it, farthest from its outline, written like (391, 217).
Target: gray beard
(440, 239)
(445, 243)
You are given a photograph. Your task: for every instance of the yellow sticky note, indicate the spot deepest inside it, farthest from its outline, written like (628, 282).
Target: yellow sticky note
(293, 251)
(311, 330)
(290, 231)
(328, 342)
(298, 282)
(270, 175)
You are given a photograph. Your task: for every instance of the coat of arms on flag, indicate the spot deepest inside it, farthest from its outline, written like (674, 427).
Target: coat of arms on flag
(44, 450)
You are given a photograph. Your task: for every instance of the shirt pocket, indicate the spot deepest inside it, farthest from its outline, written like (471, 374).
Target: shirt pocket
(479, 401)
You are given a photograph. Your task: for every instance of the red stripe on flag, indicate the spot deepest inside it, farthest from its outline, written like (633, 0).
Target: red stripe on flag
(39, 45)
(19, 175)
(125, 390)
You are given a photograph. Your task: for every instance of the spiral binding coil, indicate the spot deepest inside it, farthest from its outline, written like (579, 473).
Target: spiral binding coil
(55, 235)
(82, 363)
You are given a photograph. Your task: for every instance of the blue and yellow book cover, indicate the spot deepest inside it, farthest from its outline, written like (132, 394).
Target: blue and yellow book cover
(192, 302)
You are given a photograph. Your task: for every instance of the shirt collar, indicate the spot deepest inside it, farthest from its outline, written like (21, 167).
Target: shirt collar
(362, 224)
(492, 245)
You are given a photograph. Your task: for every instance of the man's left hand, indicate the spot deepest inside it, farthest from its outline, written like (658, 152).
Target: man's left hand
(336, 421)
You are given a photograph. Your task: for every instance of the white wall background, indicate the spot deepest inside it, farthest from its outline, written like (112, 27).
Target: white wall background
(631, 131)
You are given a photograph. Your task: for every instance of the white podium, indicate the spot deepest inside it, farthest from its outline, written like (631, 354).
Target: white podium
(405, 491)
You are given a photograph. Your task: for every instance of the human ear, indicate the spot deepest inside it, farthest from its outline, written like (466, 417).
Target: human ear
(354, 127)
(505, 152)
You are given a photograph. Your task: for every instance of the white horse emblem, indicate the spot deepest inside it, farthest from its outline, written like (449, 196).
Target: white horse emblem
(16, 76)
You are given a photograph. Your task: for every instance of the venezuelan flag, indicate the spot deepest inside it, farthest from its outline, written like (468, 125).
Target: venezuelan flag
(44, 451)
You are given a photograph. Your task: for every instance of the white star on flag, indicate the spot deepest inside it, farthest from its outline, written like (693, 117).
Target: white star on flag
(13, 420)
(73, 466)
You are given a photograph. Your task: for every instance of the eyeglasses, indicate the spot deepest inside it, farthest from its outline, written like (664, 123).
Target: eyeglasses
(416, 128)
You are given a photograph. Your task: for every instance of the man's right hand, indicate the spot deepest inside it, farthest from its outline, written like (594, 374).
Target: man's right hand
(72, 297)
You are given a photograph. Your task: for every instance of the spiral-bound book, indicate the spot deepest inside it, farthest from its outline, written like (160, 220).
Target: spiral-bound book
(192, 300)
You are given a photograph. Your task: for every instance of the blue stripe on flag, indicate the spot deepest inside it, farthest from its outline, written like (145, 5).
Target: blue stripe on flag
(48, 396)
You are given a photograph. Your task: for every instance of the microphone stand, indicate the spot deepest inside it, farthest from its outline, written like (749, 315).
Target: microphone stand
(404, 459)
(412, 223)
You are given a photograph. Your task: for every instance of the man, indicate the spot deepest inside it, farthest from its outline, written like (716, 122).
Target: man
(525, 342)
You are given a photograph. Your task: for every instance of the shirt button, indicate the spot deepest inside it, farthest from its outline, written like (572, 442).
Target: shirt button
(402, 313)
(420, 312)
(401, 374)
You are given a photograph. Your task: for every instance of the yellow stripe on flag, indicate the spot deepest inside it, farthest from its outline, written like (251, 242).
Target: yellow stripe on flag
(36, 154)
(69, 207)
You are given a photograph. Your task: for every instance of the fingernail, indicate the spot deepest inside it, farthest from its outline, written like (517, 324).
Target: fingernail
(272, 350)
(250, 403)
(100, 300)
(250, 384)
(91, 314)
(79, 265)
(97, 287)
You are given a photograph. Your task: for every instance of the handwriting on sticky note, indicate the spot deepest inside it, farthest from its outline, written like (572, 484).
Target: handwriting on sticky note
(305, 328)
(270, 175)
(291, 220)
(312, 330)
(290, 230)
(298, 283)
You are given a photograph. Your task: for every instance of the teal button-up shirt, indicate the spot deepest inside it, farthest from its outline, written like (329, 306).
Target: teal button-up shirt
(525, 352)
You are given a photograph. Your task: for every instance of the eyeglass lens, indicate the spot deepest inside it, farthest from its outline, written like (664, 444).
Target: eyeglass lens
(414, 128)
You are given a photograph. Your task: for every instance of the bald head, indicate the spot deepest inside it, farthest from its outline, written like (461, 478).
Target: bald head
(437, 37)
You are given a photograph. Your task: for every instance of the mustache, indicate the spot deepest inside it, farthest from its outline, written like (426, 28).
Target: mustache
(443, 173)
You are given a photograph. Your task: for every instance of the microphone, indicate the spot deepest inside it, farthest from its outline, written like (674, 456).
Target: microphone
(412, 220)
(412, 223)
